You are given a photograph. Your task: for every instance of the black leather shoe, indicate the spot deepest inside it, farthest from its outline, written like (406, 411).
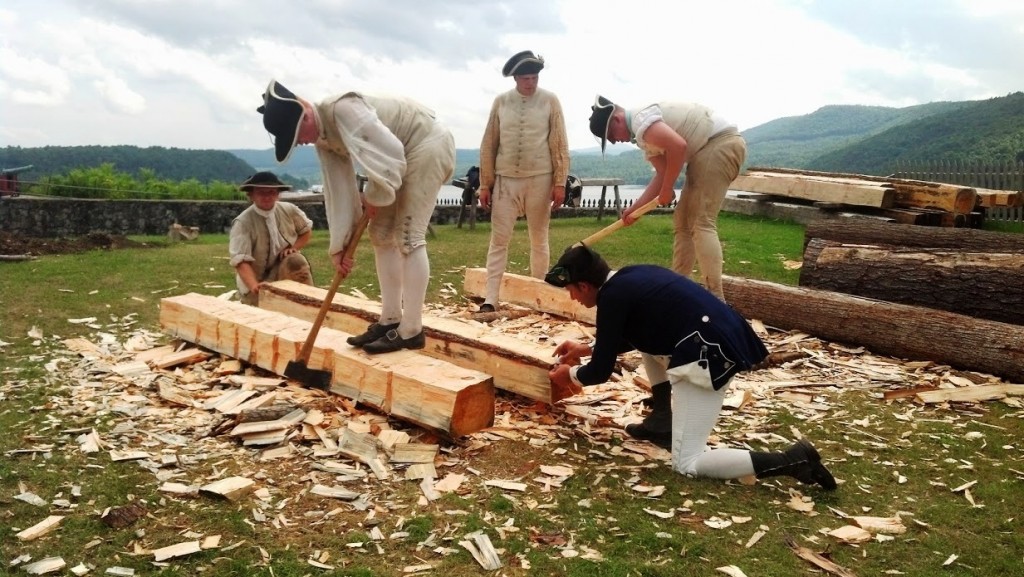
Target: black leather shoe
(391, 342)
(486, 308)
(373, 332)
(642, 432)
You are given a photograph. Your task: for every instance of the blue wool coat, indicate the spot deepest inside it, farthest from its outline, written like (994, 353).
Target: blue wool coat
(659, 312)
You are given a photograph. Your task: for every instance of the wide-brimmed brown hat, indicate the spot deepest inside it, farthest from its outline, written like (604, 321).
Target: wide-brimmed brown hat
(282, 113)
(600, 117)
(525, 62)
(264, 179)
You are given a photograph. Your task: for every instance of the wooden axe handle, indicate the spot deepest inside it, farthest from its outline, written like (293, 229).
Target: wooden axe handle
(618, 224)
(350, 249)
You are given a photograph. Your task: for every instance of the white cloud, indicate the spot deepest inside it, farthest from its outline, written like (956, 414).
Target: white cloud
(188, 73)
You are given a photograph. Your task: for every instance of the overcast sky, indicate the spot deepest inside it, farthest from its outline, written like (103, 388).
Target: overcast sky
(189, 73)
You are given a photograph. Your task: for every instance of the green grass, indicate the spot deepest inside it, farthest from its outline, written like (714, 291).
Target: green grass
(595, 510)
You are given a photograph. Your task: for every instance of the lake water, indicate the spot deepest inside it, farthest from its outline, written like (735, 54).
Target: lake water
(591, 194)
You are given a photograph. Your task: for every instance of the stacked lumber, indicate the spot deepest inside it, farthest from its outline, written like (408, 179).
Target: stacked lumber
(968, 272)
(425, 391)
(899, 200)
(516, 365)
(886, 328)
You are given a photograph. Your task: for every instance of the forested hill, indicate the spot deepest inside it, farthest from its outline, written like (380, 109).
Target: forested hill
(796, 140)
(987, 131)
(870, 140)
(166, 163)
(303, 162)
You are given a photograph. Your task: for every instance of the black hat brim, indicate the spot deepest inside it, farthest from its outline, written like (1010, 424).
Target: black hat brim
(525, 62)
(264, 179)
(282, 114)
(600, 118)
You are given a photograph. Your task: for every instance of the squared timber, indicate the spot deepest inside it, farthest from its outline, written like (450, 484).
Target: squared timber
(421, 389)
(532, 293)
(516, 365)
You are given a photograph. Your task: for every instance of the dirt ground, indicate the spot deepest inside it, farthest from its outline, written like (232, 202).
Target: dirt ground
(13, 244)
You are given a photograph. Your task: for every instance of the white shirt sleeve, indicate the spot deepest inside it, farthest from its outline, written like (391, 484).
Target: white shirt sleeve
(642, 120)
(373, 147)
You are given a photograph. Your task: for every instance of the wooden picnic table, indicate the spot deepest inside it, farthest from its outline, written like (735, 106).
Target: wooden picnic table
(604, 183)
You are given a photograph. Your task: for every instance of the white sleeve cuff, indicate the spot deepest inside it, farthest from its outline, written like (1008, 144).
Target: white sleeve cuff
(572, 375)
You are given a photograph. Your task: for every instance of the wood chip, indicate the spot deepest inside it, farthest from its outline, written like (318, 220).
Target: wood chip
(45, 565)
(41, 528)
(231, 488)
(177, 550)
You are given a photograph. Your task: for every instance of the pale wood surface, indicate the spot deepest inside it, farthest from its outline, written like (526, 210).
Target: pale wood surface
(602, 181)
(530, 292)
(971, 394)
(516, 365)
(905, 193)
(231, 488)
(857, 194)
(41, 528)
(426, 391)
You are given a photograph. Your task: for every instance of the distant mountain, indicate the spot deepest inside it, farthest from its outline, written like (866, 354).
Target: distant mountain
(304, 163)
(166, 163)
(795, 141)
(986, 131)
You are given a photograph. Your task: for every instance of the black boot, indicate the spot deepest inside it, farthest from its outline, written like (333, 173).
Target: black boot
(657, 426)
(801, 461)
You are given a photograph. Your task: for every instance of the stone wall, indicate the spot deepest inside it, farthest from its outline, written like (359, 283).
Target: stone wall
(61, 217)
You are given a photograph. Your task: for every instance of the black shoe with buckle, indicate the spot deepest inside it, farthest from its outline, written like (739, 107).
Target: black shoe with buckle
(373, 332)
(486, 308)
(391, 342)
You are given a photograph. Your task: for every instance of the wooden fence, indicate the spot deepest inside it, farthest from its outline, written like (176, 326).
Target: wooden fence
(997, 176)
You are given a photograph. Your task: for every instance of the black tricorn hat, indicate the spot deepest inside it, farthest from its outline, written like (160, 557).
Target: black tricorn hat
(525, 62)
(579, 263)
(282, 113)
(264, 179)
(600, 117)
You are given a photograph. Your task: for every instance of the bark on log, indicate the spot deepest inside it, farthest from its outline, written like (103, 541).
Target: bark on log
(893, 329)
(874, 232)
(984, 285)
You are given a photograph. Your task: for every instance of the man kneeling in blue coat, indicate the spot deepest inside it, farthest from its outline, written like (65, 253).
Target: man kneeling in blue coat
(692, 345)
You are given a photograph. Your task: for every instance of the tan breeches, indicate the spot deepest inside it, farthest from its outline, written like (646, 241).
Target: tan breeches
(708, 175)
(294, 267)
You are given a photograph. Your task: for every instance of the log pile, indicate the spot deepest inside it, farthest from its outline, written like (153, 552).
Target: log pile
(892, 199)
(969, 272)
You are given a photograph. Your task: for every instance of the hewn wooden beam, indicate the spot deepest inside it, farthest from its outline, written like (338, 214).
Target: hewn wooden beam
(420, 389)
(531, 293)
(906, 193)
(517, 366)
(795, 186)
